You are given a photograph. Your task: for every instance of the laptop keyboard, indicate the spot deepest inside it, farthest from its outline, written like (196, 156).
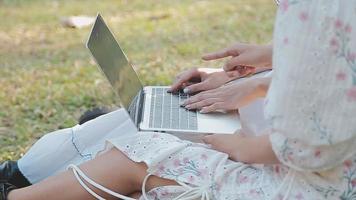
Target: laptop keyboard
(167, 113)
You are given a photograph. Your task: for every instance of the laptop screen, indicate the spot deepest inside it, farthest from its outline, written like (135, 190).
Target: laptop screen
(114, 63)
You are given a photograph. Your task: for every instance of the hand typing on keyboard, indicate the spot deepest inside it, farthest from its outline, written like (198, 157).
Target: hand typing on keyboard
(201, 79)
(229, 97)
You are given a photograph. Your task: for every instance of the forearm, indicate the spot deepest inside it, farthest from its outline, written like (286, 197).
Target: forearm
(254, 150)
(259, 87)
(262, 85)
(258, 150)
(268, 56)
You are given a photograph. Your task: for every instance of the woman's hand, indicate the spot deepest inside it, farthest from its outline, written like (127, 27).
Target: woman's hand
(244, 57)
(228, 97)
(254, 150)
(201, 79)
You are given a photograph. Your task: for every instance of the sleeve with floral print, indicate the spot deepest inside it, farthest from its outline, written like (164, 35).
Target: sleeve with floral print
(311, 102)
(303, 157)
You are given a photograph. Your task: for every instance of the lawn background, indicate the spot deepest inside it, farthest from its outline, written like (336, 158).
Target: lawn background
(47, 78)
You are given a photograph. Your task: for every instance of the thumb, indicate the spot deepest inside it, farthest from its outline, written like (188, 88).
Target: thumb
(240, 60)
(197, 87)
(233, 74)
(208, 139)
(241, 71)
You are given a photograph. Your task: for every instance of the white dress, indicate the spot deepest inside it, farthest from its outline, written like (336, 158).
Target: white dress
(311, 107)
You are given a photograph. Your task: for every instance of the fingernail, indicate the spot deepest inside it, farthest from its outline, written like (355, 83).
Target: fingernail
(207, 139)
(202, 111)
(232, 74)
(186, 90)
(188, 107)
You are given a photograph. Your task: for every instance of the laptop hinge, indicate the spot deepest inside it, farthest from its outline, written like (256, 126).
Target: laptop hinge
(140, 108)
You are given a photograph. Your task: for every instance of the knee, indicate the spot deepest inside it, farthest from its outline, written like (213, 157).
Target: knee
(133, 173)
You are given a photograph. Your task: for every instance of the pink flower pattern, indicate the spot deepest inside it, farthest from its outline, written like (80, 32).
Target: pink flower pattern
(350, 177)
(339, 45)
(348, 164)
(204, 157)
(341, 76)
(299, 196)
(176, 163)
(243, 179)
(334, 43)
(284, 5)
(348, 28)
(303, 16)
(351, 94)
(317, 153)
(338, 24)
(285, 40)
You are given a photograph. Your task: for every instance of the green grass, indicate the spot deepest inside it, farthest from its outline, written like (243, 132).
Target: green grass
(48, 78)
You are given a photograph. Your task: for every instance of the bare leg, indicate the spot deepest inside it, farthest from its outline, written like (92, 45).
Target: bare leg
(135, 195)
(111, 169)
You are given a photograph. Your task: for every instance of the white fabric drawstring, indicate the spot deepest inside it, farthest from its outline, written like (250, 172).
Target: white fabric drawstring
(192, 193)
(77, 172)
(289, 189)
(289, 177)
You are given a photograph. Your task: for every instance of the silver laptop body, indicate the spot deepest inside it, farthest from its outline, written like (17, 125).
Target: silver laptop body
(151, 108)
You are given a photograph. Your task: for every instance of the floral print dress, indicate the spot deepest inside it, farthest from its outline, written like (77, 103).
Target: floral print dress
(311, 107)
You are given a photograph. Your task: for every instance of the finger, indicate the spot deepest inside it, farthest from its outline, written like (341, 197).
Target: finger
(185, 77)
(233, 74)
(177, 84)
(212, 108)
(197, 87)
(203, 103)
(240, 60)
(221, 54)
(250, 70)
(208, 139)
(200, 97)
(189, 83)
(241, 71)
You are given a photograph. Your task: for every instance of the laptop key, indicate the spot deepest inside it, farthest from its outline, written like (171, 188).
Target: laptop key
(167, 113)
(152, 107)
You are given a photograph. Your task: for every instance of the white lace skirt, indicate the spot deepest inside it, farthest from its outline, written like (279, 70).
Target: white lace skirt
(194, 166)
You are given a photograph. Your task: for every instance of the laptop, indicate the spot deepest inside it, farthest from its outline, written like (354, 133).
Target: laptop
(152, 108)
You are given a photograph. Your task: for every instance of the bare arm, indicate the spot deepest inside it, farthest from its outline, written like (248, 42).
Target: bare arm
(254, 150)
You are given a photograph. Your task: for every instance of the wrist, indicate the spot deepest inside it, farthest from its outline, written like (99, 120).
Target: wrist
(261, 86)
(257, 88)
(261, 151)
(268, 49)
